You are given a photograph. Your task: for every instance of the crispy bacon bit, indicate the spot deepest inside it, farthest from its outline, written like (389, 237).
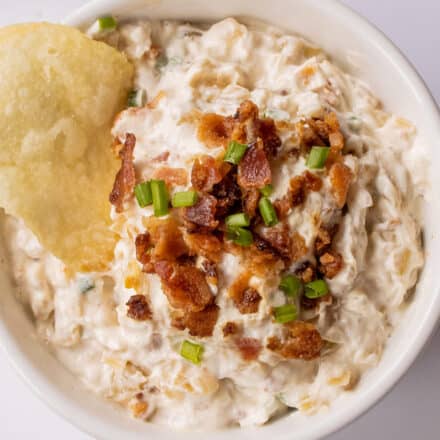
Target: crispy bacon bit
(210, 269)
(247, 110)
(143, 245)
(138, 308)
(283, 206)
(230, 328)
(312, 182)
(279, 239)
(205, 173)
(323, 241)
(162, 157)
(330, 264)
(301, 340)
(267, 131)
(249, 348)
(203, 212)
(207, 245)
(297, 191)
(306, 272)
(126, 177)
(250, 202)
(340, 179)
(214, 130)
(246, 299)
(307, 136)
(167, 238)
(299, 248)
(254, 169)
(185, 286)
(171, 176)
(199, 324)
(228, 194)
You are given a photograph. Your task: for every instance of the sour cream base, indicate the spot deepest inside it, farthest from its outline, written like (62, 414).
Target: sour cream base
(213, 70)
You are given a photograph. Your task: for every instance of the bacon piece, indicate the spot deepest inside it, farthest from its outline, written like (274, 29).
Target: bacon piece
(202, 213)
(340, 179)
(330, 264)
(167, 238)
(323, 241)
(143, 246)
(246, 299)
(230, 328)
(171, 176)
(250, 202)
(162, 157)
(138, 308)
(297, 191)
(267, 131)
(125, 179)
(312, 182)
(254, 169)
(207, 245)
(299, 248)
(279, 239)
(249, 348)
(214, 130)
(228, 194)
(301, 340)
(306, 272)
(205, 173)
(199, 324)
(185, 286)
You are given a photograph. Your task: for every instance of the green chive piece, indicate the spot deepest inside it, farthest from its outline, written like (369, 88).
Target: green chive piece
(85, 285)
(286, 313)
(290, 285)
(267, 190)
(160, 197)
(137, 98)
(142, 191)
(235, 152)
(240, 236)
(317, 157)
(316, 289)
(268, 212)
(237, 220)
(184, 199)
(192, 352)
(107, 24)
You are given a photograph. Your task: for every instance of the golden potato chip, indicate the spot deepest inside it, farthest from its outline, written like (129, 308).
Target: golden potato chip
(59, 94)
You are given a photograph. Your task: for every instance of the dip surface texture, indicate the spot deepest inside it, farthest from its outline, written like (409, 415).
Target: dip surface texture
(185, 277)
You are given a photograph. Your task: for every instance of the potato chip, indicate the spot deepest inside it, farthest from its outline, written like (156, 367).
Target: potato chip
(59, 94)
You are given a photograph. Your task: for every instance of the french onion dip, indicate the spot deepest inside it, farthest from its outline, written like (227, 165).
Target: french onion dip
(268, 233)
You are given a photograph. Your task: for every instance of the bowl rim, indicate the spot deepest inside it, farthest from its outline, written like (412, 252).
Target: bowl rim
(388, 381)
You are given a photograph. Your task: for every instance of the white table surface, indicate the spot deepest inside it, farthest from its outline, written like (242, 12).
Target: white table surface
(411, 410)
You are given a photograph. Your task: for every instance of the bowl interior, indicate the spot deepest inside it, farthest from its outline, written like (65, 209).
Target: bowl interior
(361, 50)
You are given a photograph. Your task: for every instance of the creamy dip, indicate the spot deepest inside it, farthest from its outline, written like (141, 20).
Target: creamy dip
(187, 70)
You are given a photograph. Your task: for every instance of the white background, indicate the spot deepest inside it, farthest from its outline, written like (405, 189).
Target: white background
(411, 410)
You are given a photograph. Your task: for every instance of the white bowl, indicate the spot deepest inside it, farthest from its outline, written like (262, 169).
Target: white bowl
(342, 34)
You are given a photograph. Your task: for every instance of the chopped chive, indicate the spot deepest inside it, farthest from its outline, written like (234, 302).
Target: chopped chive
(160, 197)
(316, 289)
(85, 284)
(286, 313)
(237, 220)
(192, 352)
(317, 157)
(290, 285)
(107, 24)
(235, 152)
(142, 191)
(184, 198)
(240, 236)
(137, 98)
(268, 212)
(267, 190)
